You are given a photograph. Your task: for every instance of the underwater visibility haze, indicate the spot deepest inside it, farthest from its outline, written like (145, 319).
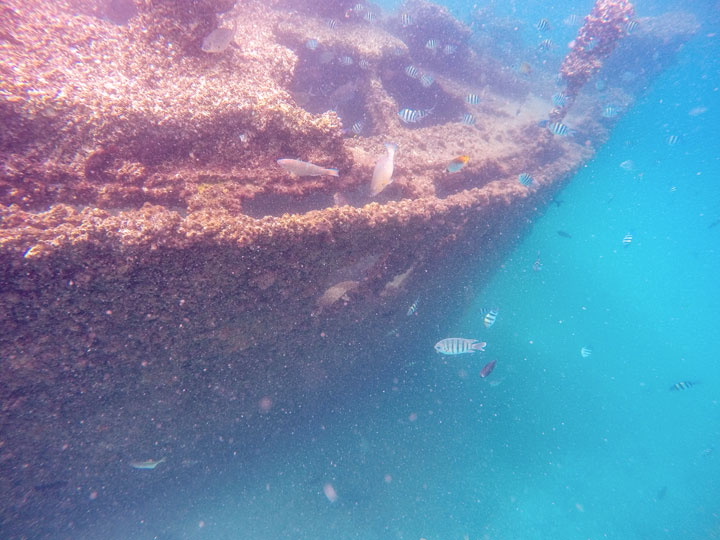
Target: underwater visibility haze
(353, 270)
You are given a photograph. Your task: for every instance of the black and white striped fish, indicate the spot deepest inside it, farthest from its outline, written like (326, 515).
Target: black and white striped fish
(559, 99)
(632, 26)
(525, 179)
(472, 99)
(627, 240)
(546, 45)
(358, 127)
(542, 25)
(490, 316)
(412, 310)
(449, 49)
(468, 119)
(672, 140)
(432, 44)
(406, 20)
(345, 60)
(412, 72)
(682, 385)
(558, 128)
(426, 80)
(453, 346)
(332, 23)
(412, 116)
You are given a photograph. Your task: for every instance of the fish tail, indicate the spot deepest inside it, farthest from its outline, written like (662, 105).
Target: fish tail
(480, 346)
(332, 172)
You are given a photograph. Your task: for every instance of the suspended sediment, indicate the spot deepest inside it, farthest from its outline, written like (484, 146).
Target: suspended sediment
(154, 258)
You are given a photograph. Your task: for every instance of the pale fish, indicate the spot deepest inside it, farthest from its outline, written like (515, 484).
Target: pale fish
(303, 168)
(219, 39)
(147, 465)
(382, 175)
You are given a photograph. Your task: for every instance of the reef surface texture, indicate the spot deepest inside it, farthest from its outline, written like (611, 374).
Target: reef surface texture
(154, 258)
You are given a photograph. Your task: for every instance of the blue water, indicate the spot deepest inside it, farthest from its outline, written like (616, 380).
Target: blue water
(551, 444)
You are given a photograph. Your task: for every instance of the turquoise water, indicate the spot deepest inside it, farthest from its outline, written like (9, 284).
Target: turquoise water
(551, 444)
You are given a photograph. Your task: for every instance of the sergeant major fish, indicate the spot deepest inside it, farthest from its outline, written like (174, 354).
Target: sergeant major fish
(303, 168)
(412, 310)
(490, 316)
(382, 175)
(453, 346)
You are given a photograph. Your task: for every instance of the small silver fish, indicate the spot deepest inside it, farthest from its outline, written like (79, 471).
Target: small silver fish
(303, 168)
(147, 465)
(382, 175)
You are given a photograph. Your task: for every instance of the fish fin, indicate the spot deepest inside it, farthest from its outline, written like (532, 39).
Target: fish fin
(332, 172)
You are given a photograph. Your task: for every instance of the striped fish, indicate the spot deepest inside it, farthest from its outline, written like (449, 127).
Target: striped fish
(585, 352)
(412, 72)
(609, 112)
(406, 20)
(559, 99)
(358, 127)
(558, 128)
(359, 8)
(468, 119)
(456, 345)
(370, 17)
(525, 179)
(490, 316)
(546, 45)
(682, 385)
(572, 20)
(472, 99)
(672, 140)
(627, 240)
(312, 44)
(412, 310)
(364, 64)
(432, 44)
(412, 116)
(449, 49)
(345, 60)
(542, 25)
(332, 23)
(632, 26)
(426, 80)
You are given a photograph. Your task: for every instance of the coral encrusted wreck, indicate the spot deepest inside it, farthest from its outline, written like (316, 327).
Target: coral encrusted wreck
(162, 275)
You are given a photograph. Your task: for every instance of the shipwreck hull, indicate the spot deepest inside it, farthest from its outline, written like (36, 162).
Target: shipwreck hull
(163, 280)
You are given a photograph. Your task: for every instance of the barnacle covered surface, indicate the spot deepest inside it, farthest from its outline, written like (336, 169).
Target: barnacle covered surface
(154, 257)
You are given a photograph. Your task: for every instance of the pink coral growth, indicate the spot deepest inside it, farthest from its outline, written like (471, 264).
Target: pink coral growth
(603, 28)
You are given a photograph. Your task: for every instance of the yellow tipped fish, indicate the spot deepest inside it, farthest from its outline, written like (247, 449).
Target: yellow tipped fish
(147, 465)
(303, 168)
(457, 164)
(382, 175)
